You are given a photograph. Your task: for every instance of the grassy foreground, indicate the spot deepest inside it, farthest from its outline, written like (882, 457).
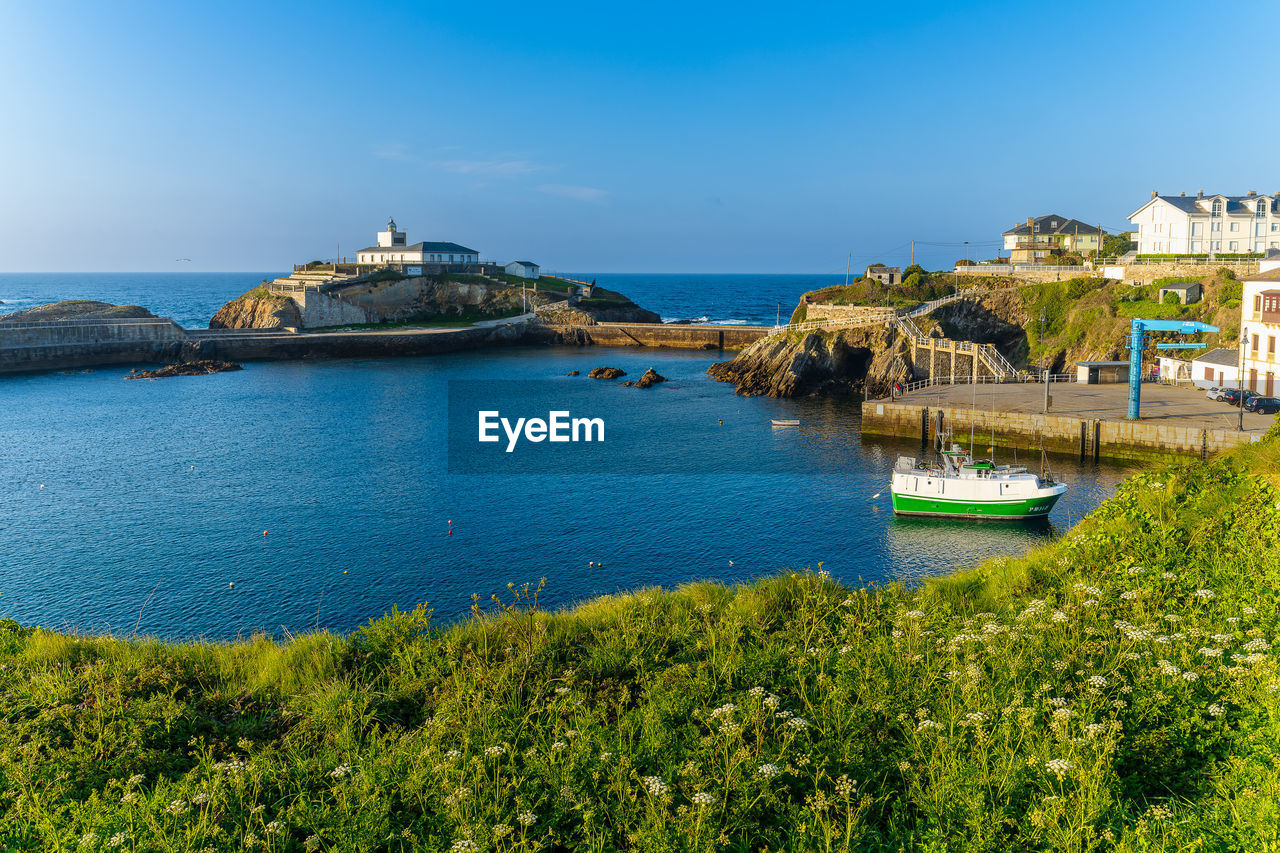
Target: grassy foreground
(1117, 690)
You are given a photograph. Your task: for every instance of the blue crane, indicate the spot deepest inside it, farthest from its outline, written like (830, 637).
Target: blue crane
(1138, 341)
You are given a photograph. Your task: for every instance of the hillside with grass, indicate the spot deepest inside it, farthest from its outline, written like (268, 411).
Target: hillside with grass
(1115, 690)
(1084, 318)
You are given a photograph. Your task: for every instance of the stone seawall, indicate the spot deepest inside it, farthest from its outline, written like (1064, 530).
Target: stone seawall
(672, 335)
(168, 343)
(1087, 438)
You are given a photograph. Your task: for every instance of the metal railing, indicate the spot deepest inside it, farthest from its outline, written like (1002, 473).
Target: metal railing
(872, 317)
(968, 379)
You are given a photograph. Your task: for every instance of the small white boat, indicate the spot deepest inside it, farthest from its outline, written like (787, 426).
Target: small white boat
(779, 423)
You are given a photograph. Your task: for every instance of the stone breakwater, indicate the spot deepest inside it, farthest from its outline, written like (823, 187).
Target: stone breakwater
(60, 346)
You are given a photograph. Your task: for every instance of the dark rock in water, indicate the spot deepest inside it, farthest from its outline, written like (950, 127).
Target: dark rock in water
(572, 373)
(190, 368)
(607, 373)
(651, 377)
(818, 364)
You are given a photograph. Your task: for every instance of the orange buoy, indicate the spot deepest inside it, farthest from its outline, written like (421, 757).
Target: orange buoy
(264, 533)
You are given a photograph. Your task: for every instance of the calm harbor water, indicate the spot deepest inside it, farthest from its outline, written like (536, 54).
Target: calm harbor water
(138, 504)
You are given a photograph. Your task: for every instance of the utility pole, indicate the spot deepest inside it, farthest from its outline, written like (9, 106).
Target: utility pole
(1044, 372)
(913, 253)
(1244, 342)
(777, 320)
(848, 266)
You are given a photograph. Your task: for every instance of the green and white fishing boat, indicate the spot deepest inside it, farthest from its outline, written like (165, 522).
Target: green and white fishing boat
(957, 486)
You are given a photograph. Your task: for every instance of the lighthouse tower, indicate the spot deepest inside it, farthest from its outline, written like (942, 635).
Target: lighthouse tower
(390, 237)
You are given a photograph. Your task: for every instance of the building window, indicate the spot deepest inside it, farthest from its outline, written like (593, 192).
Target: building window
(1196, 228)
(1217, 226)
(1235, 226)
(1208, 374)
(1260, 208)
(1217, 207)
(1233, 246)
(1255, 345)
(1271, 348)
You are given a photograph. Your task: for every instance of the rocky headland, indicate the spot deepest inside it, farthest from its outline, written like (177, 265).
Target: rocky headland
(77, 309)
(819, 363)
(258, 309)
(390, 298)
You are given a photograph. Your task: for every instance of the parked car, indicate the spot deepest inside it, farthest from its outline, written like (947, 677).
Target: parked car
(1214, 393)
(1262, 405)
(1231, 396)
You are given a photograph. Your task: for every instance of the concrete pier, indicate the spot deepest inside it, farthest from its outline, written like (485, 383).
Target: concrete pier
(1084, 420)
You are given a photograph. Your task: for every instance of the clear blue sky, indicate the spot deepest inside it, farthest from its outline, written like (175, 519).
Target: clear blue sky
(689, 137)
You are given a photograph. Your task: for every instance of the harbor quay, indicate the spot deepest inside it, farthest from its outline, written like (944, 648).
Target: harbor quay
(1084, 420)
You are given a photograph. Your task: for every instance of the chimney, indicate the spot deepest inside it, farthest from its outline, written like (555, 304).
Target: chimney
(1184, 195)
(1031, 225)
(1154, 193)
(1252, 193)
(1199, 193)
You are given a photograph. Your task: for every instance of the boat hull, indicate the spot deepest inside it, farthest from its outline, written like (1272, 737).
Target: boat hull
(1020, 509)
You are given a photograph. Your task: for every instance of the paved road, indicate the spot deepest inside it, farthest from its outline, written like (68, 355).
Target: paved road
(1186, 407)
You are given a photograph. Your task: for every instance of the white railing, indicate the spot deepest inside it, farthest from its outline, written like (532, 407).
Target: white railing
(872, 317)
(967, 379)
(996, 269)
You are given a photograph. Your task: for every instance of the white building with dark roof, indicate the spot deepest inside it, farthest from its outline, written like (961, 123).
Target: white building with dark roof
(1218, 368)
(1204, 224)
(1042, 237)
(393, 248)
(524, 269)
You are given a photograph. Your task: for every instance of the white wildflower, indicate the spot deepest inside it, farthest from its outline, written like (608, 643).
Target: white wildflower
(768, 770)
(702, 799)
(655, 785)
(1216, 710)
(1058, 766)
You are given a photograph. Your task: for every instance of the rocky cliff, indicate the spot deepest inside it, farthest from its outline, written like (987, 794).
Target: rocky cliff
(819, 363)
(77, 309)
(258, 309)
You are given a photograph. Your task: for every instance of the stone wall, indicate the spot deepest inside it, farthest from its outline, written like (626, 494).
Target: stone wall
(980, 270)
(1147, 273)
(673, 335)
(319, 310)
(63, 333)
(852, 313)
(1087, 437)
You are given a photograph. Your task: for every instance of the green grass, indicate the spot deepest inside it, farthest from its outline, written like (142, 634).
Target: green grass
(1114, 690)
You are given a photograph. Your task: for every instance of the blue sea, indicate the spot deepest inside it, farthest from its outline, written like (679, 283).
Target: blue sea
(191, 299)
(296, 495)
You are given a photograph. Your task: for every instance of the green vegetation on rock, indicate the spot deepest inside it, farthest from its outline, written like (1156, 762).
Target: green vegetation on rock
(1115, 690)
